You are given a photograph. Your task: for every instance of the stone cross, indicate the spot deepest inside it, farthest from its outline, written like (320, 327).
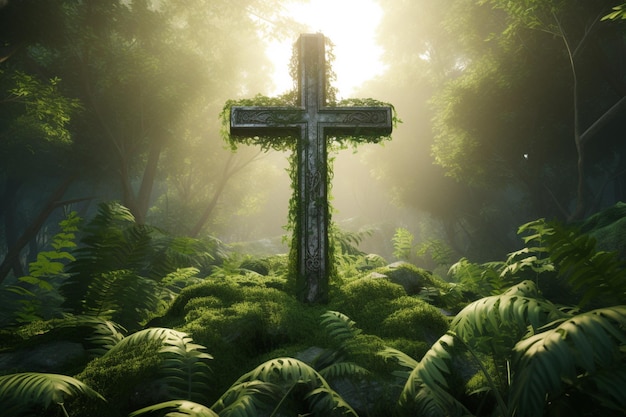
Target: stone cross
(311, 122)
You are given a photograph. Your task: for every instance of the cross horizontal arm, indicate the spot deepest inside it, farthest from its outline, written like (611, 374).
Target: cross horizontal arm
(265, 121)
(356, 121)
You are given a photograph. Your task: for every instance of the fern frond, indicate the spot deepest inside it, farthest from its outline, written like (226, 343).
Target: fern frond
(175, 408)
(120, 295)
(600, 275)
(426, 387)
(484, 279)
(24, 390)
(185, 367)
(556, 357)
(247, 398)
(339, 326)
(105, 335)
(154, 334)
(343, 369)
(516, 310)
(287, 373)
(402, 358)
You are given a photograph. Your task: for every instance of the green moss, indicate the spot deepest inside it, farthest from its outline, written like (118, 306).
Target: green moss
(367, 301)
(120, 376)
(415, 319)
(223, 290)
(414, 348)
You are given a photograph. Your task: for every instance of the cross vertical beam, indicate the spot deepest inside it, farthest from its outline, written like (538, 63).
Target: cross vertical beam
(312, 123)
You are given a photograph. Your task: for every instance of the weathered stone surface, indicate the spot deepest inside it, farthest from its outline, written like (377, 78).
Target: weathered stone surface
(410, 277)
(52, 357)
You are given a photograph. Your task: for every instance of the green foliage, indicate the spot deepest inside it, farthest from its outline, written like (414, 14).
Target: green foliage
(21, 393)
(46, 112)
(438, 250)
(531, 354)
(260, 266)
(162, 359)
(175, 408)
(292, 385)
(619, 12)
(587, 346)
(402, 244)
(333, 363)
(120, 265)
(600, 275)
(39, 298)
(98, 334)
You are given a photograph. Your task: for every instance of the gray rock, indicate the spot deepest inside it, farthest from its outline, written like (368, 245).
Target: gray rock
(51, 357)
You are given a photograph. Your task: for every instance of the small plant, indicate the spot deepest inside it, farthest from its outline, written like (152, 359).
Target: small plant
(38, 291)
(403, 244)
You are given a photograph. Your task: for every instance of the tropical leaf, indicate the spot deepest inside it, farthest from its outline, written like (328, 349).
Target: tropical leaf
(247, 399)
(425, 390)
(175, 408)
(121, 296)
(484, 279)
(158, 334)
(402, 244)
(287, 374)
(19, 392)
(404, 360)
(574, 349)
(105, 335)
(515, 310)
(343, 369)
(601, 276)
(185, 367)
(339, 326)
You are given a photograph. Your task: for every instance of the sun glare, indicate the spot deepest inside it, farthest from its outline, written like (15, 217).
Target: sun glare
(351, 26)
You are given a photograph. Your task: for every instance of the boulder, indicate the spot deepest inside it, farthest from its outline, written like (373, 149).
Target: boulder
(410, 277)
(50, 357)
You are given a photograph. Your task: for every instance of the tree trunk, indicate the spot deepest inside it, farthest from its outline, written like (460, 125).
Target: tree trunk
(227, 174)
(142, 201)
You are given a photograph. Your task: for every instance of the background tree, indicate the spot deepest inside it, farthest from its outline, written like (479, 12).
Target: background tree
(149, 79)
(486, 92)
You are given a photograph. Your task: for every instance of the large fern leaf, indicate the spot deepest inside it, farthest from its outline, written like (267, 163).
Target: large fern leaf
(339, 326)
(601, 276)
(514, 310)
(18, 392)
(343, 369)
(175, 408)
(287, 374)
(185, 369)
(576, 348)
(426, 389)
(247, 398)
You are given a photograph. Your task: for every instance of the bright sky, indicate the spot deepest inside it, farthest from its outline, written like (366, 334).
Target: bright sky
(351, 26)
